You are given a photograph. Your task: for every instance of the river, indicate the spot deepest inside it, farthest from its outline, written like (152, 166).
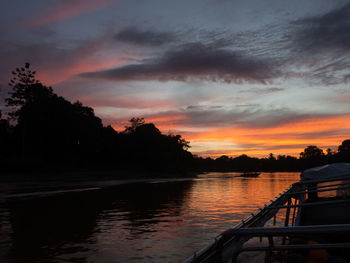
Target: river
(127, 221)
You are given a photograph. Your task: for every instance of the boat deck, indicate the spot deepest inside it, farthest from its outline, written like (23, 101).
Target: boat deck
(327, 214)
(324, 215)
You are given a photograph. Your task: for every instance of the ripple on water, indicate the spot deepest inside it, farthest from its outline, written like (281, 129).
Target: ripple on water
(160, 221)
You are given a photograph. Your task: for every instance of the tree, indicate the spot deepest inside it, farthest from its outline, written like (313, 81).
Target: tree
(344, 147)
(185, 145)
(330, 152)
(23, 82)
(25, 91)
(272, 157)
(48, 126)
(312, 156)
(134, 124)
(312, 152)
(5, 142)
(344, 151)
(4, 130)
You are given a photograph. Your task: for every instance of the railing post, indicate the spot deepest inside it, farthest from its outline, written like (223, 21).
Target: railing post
(268, 256)
(286, 222)
(295, 208)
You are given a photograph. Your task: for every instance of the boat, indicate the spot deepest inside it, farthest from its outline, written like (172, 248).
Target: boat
(315, 228)
(251, 174)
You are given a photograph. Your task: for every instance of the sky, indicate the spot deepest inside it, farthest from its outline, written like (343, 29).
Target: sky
(231, 76)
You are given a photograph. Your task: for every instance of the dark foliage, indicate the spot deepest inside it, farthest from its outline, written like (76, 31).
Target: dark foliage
(142, 146)
(310, 157)
(50, 133)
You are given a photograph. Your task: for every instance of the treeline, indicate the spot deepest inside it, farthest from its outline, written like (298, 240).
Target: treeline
(50, 133)
(311, 156)
(45, 132)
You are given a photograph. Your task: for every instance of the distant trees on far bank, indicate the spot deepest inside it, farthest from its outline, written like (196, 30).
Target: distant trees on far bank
(46, 132)
(311, 156)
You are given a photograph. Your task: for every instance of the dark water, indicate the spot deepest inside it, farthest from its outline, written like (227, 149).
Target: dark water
(153, 221)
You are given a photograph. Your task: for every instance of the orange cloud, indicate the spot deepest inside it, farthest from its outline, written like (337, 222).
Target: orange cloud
(164, 123)
(167, 123)
(284, 139)
(288, 139)
(55, 74)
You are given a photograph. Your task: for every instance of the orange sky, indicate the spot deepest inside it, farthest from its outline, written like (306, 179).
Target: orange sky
(286, 139)
(237, 78)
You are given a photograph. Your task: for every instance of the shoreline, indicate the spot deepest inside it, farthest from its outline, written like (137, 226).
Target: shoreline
(90, 176)
(108, 175)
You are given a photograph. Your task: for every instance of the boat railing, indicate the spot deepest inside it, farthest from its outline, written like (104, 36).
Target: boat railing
(221, 245)
(295, 231)
(314, 190)
(290, 231)
(228, 245)
(311, 204)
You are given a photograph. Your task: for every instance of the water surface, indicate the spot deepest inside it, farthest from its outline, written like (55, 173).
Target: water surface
(119, 221)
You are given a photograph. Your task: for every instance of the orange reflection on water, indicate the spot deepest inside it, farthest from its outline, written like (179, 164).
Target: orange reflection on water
(224, 200)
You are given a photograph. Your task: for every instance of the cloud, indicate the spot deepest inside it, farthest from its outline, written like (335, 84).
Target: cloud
(55, 63)
(319, 46)
(262, 90)
(127, 102)
(194, 61)
(63, 10)
(249, 117)
(135, 36)
(327, 31)
(288, 138)
(255, 131)
(200, 117)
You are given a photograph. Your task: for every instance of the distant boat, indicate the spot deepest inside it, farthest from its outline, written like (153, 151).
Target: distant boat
(249, 174)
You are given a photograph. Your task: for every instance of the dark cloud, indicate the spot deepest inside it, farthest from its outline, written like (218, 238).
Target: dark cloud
(247, 117)
(194, 61)
(133, 35)
(320, 45)
(252, 117)
(327, 31)
(331, 133)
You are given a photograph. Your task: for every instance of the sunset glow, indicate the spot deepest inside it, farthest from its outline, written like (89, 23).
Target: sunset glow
(251, 81)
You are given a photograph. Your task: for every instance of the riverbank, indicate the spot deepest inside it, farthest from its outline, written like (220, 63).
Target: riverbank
(92, 175)
(30, 185)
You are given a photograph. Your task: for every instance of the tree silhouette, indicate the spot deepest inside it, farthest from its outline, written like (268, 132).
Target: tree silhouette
(344, 147)
(312, 152)
(134, 124)
(4, 132)
(344, 151)
(50, 130)
(312, 156)
(22, 82)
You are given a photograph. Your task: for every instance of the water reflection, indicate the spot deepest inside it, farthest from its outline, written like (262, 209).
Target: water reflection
(139, 222)
(50, 227)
